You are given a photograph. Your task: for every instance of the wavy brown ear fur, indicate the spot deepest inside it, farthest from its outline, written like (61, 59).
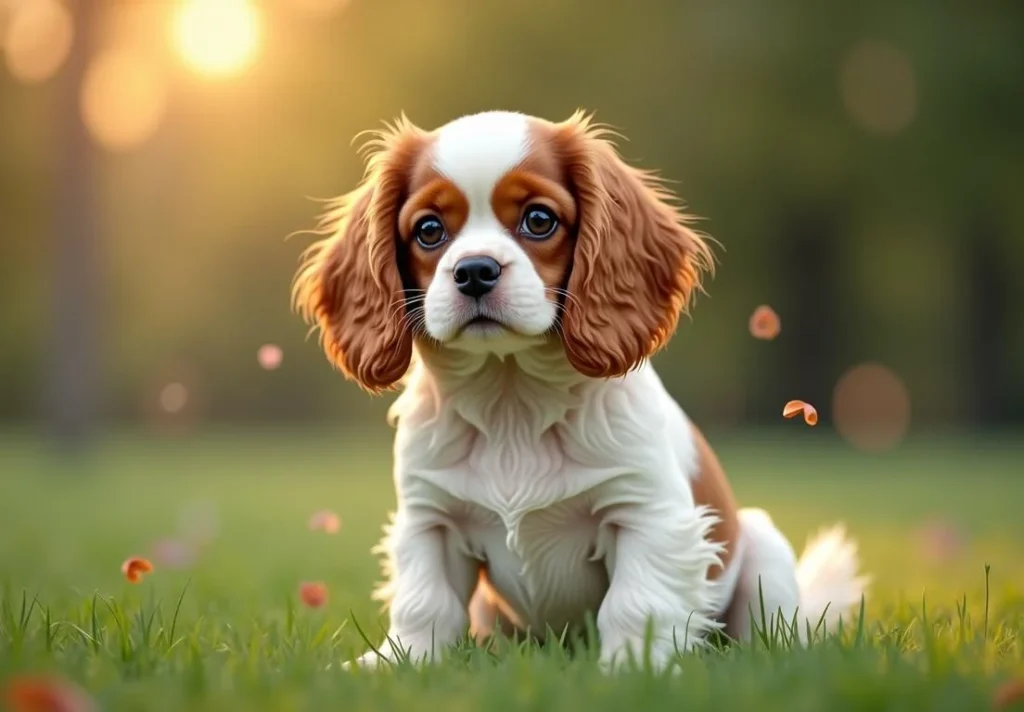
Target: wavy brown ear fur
(348, 284)
(636, 265)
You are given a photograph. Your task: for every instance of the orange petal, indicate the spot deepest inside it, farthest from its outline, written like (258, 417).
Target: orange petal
(1007, 694)
(325, 520)
(797, 407)
(313, 593)
(135, 568)
(764, 323)
(40, 694)
(810, 415)
(793, 409)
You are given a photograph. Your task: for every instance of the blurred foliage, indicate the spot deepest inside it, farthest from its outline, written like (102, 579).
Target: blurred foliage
(738, 102)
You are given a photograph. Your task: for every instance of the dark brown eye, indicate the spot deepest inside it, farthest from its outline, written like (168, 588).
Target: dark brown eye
(538, 223)
(429, 232)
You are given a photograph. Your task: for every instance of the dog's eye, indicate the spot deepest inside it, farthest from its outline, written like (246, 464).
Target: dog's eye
(429, 232)
(538, 223)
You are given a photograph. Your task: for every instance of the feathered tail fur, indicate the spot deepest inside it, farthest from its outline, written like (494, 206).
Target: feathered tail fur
(829, 579)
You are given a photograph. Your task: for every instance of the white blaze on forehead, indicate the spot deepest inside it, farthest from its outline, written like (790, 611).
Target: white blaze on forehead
(474, 152)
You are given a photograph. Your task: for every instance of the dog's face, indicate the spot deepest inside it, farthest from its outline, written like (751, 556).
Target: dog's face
(490, 234)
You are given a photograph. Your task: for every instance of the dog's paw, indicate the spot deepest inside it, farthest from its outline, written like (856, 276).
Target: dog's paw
(658, 659)
(367, 661)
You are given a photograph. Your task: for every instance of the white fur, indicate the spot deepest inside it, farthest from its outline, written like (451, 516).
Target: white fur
(574, 493)
(474, 152)
(569, 489)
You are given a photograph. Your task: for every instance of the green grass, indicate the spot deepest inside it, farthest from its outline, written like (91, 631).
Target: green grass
(229, 633)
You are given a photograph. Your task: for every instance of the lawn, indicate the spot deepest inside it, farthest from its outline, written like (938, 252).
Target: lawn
(227, 631)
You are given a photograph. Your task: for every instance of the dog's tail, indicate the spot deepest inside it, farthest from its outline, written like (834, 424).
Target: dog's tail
(828, 574)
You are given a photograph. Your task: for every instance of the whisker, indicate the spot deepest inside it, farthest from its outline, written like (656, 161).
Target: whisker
(565, 293)
(414, 320)
(408, 317)
(560, 330)
(400, 304)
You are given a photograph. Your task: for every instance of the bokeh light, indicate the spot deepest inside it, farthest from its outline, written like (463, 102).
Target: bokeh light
(37, 39)
(217, 38)
(173, 397)
(939, 542)
(878, 88)
(173, 554)
(871, 408)
(317, 8)
(269, 356)
(123, 99)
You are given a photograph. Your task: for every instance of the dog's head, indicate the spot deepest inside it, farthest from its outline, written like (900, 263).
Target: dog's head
(493, 233)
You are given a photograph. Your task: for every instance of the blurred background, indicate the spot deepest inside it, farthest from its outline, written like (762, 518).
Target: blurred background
(861, 165)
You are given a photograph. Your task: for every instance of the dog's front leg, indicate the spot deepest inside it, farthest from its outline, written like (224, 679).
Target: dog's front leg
(659, 593)
(431, 581)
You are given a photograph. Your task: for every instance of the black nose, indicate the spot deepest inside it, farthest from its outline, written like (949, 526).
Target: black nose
(476, 276)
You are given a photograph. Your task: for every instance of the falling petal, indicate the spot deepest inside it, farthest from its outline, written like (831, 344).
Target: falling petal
(135, 568)
(810, 415)
(269, 356)
(764, 323)
(46, 694)
(326, 521)
(792, 409)
(798, 407)
(1009, 693)
(313, 593)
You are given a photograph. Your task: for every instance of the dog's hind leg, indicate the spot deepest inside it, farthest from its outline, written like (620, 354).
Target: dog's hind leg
(767, 575)
(815, 590)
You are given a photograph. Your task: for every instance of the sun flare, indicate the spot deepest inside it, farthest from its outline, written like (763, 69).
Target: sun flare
(217, 38)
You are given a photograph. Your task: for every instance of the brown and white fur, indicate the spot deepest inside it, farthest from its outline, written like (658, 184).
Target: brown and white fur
(541, 468)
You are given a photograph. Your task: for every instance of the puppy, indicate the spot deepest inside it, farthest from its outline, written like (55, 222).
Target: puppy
(515, 276)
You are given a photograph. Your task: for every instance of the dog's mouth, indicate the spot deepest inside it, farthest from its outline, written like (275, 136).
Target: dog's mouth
(483, 321)
(483, 325)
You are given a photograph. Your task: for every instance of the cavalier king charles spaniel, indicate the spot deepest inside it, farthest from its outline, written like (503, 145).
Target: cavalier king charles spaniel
(514, 276)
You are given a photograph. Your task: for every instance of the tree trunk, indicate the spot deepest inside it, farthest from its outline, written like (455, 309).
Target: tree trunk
(987, 324)
(74, 366)
(808, 262)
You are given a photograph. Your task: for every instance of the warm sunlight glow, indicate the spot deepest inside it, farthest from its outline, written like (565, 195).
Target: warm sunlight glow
(123, 99)
(317, 8)
(37, 39)
(217, 38)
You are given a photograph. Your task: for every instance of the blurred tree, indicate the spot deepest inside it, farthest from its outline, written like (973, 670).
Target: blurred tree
(988, 294)
(74, 341)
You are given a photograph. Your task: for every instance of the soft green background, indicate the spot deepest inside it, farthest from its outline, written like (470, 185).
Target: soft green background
(901, 248)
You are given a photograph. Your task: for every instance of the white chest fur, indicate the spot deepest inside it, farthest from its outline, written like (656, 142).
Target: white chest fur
(534, 522)
(517, 468)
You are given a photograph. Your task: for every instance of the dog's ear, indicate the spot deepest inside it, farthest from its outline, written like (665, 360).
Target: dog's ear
(637, 264)
(349, 284)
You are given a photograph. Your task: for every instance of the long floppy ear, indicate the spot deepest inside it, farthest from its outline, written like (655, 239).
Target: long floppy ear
(348, 284)
(636, 265)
